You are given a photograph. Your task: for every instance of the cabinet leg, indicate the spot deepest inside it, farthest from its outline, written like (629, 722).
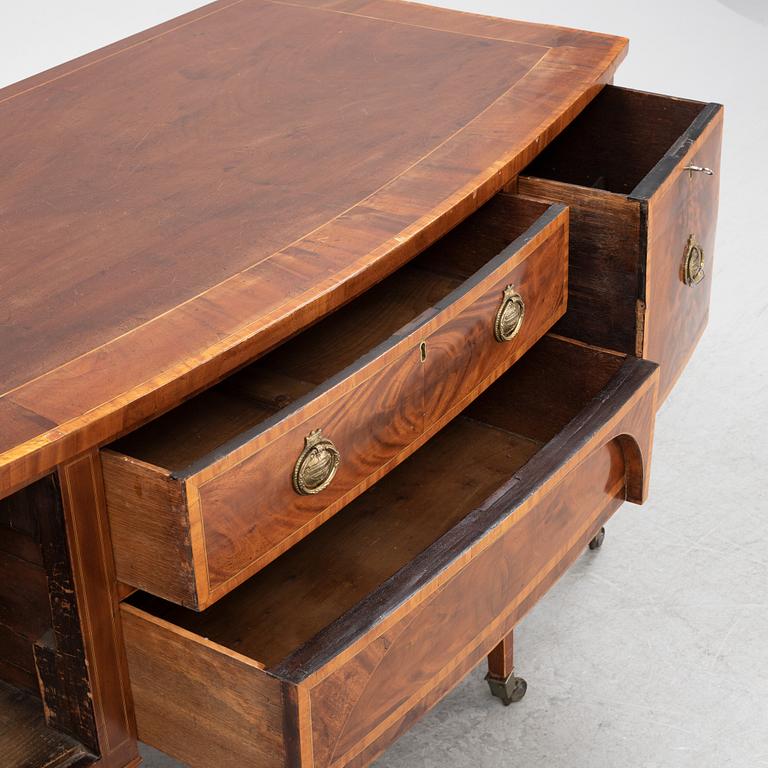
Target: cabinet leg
(96, 594)
(501, 673)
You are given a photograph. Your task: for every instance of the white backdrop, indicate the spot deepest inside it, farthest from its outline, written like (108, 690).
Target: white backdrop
(654, 651)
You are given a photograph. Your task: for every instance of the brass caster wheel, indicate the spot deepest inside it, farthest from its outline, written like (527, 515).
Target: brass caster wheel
(597, 542)
(509, 691)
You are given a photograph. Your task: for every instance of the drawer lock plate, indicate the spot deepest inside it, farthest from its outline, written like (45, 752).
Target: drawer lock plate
(317, 464)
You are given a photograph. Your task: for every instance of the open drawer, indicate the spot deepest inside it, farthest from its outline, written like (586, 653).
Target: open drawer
(332, 650)
(641, 175)
(208, 494)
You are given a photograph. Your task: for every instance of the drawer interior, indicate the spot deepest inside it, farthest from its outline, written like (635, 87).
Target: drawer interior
(247, 399)
(315, 582)
(609, 166)
(616, 141)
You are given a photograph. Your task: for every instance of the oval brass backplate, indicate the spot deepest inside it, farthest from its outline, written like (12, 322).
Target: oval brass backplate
(317, 464)
(509, 318)
(693, 263)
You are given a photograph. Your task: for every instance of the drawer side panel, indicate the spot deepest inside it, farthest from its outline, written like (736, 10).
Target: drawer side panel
(150, 528)
(603, 262)
(198, 703)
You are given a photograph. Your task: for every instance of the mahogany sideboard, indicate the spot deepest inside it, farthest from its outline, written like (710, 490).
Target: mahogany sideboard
(331, 333)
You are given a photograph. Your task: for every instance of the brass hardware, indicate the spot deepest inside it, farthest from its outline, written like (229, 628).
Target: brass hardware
(693, 263)
(423, 351)
(509, 690)
(698, 169)
(316, 466)
(509, 318)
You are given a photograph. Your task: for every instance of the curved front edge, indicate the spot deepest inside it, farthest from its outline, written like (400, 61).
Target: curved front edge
(637, 463)
(367, 677)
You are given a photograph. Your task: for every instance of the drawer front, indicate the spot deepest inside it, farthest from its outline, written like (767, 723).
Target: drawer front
(640, 172)
(380, 685)
(251, 511)
(515, 309)
(193, 535)
(681, 219)
(364, 686)
(349, 691)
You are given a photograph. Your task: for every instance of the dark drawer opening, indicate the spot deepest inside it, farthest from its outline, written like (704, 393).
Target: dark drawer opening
(314, 583)
(617, 140)
(46, 719)
(239, 406)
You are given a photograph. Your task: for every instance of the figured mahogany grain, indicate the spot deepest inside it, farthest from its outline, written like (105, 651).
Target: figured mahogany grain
(195, 429)
(203, 497)
(187, 433)
(429, 571)
(180, 202)
(413, 654)
(398, 517)
(462, 352)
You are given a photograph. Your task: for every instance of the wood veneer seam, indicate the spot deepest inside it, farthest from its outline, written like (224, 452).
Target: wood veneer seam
(456, 11)
(379, 662)
(232, 278)
(384, 19)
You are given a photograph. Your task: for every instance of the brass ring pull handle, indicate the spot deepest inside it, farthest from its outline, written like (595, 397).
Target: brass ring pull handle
(693, 263)
(509, 318)
(317, 464)
(699, 169)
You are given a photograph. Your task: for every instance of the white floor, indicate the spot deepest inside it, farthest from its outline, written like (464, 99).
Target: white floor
(653, 652)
